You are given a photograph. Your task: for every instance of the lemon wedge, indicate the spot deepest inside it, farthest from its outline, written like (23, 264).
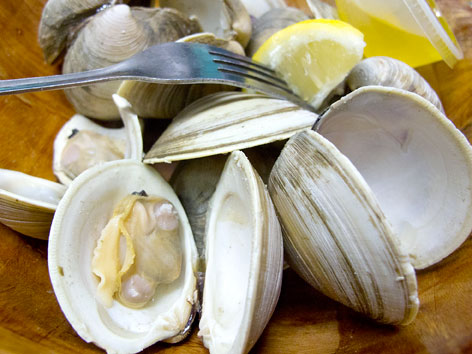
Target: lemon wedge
(313, 56)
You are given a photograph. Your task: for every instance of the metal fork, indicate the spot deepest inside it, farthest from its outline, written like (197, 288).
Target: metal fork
(171, 63)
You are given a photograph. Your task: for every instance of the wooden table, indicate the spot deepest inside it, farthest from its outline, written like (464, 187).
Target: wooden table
(305, 321)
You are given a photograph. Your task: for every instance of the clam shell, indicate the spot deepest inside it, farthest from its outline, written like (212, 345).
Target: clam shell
(129, 137)
(244, 254)
(27, 203)
(225, 122)
(79, 219)
(336, 237)
(385, 71)
(112, 36)
(416, 162)
(58, 20)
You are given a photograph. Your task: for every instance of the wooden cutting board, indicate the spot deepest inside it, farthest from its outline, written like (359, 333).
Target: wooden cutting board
(305, 321)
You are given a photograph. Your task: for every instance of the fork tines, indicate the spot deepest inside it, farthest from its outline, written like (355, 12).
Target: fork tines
(243, 66)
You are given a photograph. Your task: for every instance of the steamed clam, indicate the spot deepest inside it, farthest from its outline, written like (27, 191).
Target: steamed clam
(384, 187)
(60, 18)
(418, 165)
(228, 121)
(122, 265)
(81, 143)
(111, 36)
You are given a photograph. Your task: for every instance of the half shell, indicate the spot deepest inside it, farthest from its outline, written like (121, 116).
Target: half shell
(79, 220)
(81, 143)
(418, 165)
(27, 203)
(225, 122)
(244, 254)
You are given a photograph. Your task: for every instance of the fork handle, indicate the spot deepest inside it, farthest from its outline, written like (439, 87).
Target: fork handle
(54, 82)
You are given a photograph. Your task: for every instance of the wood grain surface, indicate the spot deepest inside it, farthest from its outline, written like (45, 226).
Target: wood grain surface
(305, 321)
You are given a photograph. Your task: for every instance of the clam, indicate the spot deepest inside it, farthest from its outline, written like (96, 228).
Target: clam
(81, 143)
(244, 259)
(418, 165)
(385, 71)
(382, 187)
(227, 19)
(165, 101)
(228, 121)
(59, 20)
(335, 235)
(27, 203)
(272, 21)
(112, 36)
(121, 258)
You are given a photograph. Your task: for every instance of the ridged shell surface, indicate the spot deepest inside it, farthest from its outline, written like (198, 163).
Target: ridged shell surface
(416, 162)
(335, 234)
(389, 72)
(225, 122)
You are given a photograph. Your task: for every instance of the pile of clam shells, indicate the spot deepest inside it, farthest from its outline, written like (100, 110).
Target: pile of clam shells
(356, 198)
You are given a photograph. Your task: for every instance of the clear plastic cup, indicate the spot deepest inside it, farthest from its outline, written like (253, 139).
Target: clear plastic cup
(413, 31)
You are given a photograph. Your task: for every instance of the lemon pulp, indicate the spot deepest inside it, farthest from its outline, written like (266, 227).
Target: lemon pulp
(313, 56)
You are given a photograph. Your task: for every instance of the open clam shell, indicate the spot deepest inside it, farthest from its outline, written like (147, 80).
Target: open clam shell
(244, 255)
(336, 237)
(27, 203)
(81, 143)
(418, 165)
(79, 222)
(225, 122)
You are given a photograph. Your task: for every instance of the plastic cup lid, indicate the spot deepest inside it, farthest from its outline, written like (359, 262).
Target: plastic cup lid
(436, 29)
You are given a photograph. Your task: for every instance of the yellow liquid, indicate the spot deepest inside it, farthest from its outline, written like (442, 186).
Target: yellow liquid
(386, 39)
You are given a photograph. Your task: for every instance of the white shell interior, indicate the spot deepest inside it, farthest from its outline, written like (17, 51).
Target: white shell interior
(416, 162)
(79, 219)
(29, 189)
(233, 249)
